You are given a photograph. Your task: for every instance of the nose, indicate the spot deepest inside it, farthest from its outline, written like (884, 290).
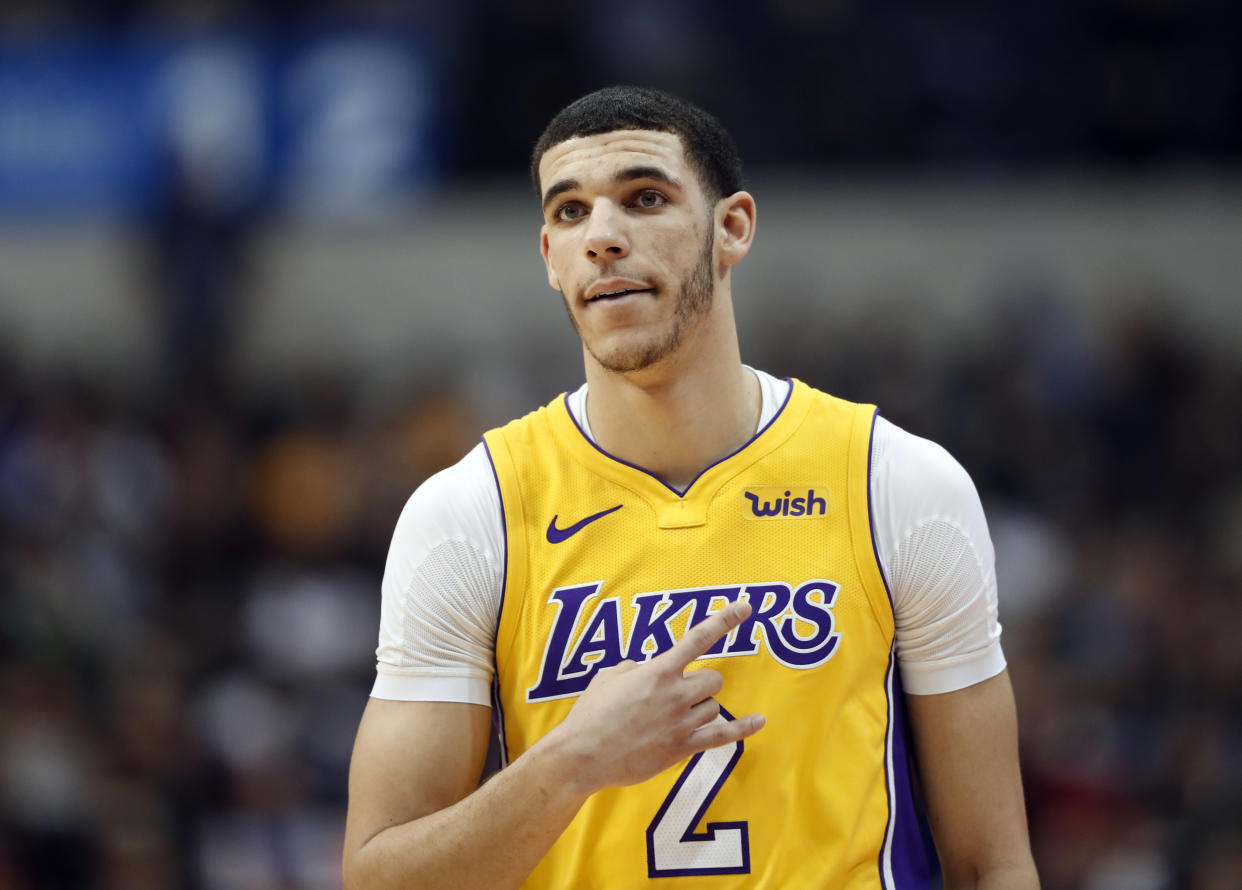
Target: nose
(605, 235)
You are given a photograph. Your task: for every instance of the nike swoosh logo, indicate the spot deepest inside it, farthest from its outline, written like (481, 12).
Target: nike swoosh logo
(556, 535)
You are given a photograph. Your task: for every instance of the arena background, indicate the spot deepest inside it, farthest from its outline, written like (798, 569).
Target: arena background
(265, 267)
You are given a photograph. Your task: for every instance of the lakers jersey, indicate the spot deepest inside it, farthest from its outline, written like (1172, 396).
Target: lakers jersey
(606, 562)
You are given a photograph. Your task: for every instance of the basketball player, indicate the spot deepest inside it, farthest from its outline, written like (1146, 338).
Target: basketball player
(712, 608)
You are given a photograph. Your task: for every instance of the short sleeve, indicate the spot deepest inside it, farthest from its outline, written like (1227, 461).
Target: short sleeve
(937, 557)
(442, 589)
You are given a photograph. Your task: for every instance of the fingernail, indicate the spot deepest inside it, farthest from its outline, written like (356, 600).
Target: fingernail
(758, 721)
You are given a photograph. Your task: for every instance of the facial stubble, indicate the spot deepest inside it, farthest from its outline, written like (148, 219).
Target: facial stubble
(694, 299)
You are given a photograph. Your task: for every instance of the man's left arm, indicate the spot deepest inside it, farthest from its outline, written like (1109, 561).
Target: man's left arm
(933, 543)
(967, 747)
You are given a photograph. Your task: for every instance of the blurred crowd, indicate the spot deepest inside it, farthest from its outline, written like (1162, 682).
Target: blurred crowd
(191, 597)
(188, 626)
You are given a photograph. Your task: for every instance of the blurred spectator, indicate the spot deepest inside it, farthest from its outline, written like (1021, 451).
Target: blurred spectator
(200, 230)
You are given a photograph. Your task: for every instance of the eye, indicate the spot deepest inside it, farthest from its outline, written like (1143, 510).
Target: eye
(649, 199)
(570, 211)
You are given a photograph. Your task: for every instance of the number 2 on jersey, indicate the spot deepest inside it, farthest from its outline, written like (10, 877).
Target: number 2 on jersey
(723, 848)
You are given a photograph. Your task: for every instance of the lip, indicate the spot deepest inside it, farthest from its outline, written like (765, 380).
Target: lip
(612, 285)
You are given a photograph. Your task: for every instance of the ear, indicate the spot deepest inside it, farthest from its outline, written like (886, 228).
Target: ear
(543, 251)
(735, 227)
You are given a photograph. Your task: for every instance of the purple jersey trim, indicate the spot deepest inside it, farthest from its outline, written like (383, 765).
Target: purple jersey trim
(871, 508)
(684, 491)
(912, 852)
(498, 712)
(908, 847)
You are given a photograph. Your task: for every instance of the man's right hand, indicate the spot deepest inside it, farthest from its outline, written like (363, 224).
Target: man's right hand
(412, 807)
(636, 720)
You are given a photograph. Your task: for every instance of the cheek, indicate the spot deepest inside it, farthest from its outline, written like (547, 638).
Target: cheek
(558, 274)
(682, 241)
(682, 252)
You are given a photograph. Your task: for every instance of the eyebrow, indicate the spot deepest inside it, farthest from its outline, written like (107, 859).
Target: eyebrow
(629, 174)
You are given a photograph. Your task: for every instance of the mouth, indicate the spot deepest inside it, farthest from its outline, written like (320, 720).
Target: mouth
(616, 292)
(618, 295)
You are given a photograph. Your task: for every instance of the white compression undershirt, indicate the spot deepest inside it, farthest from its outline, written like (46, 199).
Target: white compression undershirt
(445, 572)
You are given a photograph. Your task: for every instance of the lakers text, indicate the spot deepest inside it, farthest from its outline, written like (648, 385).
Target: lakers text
(795, 625)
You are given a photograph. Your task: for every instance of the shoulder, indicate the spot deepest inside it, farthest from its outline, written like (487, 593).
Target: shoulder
(932, 541)
(459, 503)
(917, 478)
(442, 588)
(453, 494)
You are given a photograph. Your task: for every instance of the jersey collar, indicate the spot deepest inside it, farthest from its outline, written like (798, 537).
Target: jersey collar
(673, 508)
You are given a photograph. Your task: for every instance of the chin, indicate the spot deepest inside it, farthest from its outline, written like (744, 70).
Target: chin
(628, 357)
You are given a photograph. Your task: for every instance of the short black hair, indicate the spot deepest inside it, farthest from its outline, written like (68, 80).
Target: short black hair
(709, 148)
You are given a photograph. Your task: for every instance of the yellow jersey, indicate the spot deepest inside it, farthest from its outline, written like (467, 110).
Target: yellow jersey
(606, 562)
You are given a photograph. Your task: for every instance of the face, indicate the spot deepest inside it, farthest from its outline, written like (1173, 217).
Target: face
(628, 241)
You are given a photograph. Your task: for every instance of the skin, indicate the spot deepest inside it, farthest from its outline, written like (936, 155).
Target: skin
(624, 210)
(967, 749)
(686, 406)
(413, 821)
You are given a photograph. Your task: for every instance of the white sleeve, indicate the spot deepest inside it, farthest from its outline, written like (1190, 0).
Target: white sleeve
(442, 589)
(935, 552)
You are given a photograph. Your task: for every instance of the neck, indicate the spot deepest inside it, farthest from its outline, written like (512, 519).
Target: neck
(683, 414)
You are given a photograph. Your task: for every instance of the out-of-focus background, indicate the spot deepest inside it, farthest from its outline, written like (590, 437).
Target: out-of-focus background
(264, 267)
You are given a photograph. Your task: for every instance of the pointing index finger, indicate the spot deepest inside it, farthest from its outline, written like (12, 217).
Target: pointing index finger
(704, 635)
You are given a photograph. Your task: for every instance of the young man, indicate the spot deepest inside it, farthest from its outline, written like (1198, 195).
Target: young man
(637, 572)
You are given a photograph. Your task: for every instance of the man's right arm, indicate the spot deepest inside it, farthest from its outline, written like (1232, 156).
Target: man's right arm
(414, 820)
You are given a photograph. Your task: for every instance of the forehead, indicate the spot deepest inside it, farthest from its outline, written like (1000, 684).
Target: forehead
(589, 159)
